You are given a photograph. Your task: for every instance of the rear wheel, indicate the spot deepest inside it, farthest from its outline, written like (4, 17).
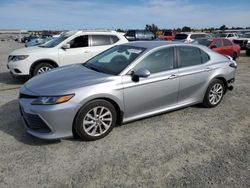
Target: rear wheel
(42, 68)
(214, 94)
(95, 120)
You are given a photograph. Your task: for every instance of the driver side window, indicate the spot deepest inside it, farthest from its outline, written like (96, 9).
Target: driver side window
(79, 42)
(158, 61)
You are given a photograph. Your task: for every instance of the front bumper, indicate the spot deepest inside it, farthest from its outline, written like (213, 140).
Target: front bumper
(57, 118)
(19, 68)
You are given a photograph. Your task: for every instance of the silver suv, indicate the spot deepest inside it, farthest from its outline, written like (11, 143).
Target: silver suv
(124, 83)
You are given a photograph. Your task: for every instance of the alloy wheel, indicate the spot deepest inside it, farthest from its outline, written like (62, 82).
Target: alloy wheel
(97, 121)
(215, 94)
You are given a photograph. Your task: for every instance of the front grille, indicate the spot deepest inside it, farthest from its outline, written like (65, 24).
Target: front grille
(25, 96)
(34, 122)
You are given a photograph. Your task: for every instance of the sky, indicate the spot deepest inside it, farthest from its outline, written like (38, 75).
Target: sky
(126, 14)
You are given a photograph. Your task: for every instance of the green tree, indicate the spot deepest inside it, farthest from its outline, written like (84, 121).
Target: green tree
(186, 29)
(153, 28)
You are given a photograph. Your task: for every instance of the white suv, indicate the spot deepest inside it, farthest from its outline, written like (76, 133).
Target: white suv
(190, 37)
(69, 48)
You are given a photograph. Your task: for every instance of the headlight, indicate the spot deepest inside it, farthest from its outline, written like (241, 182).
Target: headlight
(52, 100)
(17, 57)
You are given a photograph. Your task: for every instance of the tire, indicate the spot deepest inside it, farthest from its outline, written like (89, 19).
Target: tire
(248, 52)
(42, 68)
(91, 123)
(214, 94)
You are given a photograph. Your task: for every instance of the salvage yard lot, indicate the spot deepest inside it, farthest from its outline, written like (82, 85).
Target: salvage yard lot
(191, 147)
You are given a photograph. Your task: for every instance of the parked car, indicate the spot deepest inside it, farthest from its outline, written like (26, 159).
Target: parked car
(168, 35)
(243, 40)
(70, 47)
(248, 48)
(221, 45)
(29, 38)
(37, 41)
(228, 35)
(190, 37)
(135, 35)
(122, 84)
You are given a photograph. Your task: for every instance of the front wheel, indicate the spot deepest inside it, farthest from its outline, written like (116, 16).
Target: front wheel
(95, 120)
(214, 94)
(42, 68)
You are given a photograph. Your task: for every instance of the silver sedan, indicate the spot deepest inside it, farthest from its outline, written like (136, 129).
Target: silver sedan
(122, 84)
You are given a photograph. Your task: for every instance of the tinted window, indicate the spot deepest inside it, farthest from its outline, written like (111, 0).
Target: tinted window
(114, 39)
(189, 56)
(204, 42)
(79, 42)
(168, 33)
(218, 43)
(204, 56)
(230, 35)
(158, 61)
(130, 33)
(181, 36)
(196, 36)
(227, 42)
(99, 40)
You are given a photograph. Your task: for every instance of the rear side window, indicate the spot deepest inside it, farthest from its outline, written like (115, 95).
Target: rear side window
(227, 42)
(79, 42)
(114, 39)
(158, 61)
(189, 56)
(100, 40)
(181, 36)
(140, 34)
(204, 57)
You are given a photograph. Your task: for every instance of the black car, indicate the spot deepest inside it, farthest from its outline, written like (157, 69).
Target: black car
(136, 35)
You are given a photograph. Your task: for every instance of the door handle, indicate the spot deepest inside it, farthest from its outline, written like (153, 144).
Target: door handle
(208, 69)
(173, 76)
(87, 51)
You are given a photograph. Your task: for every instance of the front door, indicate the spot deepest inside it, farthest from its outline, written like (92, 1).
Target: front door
(156, 92)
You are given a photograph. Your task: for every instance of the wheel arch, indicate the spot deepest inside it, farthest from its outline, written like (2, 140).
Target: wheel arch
(118, 109)
(32, 67)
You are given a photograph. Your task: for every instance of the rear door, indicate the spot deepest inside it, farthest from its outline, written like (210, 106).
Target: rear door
(193, 74)
(99, 43)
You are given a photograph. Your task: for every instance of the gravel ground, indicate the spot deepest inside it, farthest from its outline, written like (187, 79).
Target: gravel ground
(191, 147)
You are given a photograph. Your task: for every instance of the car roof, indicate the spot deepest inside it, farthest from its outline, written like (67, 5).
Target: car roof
(151, 44)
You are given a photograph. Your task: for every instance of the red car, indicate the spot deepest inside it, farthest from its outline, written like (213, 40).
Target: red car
(167, 35)
(221, 45)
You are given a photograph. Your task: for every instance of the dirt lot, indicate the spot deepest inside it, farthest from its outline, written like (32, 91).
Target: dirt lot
(192, 147)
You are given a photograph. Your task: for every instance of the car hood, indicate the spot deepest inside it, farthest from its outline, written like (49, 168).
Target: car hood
(63, 80)
(31, 50)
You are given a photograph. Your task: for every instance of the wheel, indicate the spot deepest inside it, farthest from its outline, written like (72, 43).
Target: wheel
(214, 94)
(95, 120)
(247, 52)
(234, 56)
(42, 68)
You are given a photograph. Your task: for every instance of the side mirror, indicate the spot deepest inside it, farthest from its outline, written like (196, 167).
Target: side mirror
(66, 46)
(213, 46)
(140, 73)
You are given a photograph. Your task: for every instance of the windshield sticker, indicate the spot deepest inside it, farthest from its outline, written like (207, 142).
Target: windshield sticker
(135, 51)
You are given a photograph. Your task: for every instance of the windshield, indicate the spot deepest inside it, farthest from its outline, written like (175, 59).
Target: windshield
(114, 60)
(204, 42)
(54, 42)
(180, 36)
(221, 35)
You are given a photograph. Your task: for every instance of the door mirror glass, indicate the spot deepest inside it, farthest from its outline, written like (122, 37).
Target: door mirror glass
(66, 46)
(140, 73)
